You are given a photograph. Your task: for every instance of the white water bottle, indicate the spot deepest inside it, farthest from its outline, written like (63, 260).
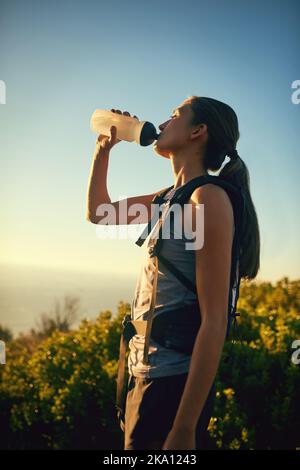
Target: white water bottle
(128, 127)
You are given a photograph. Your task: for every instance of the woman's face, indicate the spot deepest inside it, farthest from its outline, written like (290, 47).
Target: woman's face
(175, 132)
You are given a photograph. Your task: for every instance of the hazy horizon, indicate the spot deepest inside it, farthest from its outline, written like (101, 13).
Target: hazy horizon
(27, 291)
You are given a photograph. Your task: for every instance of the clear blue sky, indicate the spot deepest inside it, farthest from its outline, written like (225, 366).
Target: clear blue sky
(62, 60)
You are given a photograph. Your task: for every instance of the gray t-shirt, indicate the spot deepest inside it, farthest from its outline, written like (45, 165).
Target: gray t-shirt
(171, 293)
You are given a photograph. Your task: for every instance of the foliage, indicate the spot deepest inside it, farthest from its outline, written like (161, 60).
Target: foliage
(6, 334)
(59, 392)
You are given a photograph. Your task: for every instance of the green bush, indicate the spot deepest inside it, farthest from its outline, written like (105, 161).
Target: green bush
(60, 392)
(63, 395)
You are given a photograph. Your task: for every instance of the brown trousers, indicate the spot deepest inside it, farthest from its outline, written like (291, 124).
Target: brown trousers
(150, 408)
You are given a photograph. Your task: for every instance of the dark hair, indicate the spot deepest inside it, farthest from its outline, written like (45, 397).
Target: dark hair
(223, 134)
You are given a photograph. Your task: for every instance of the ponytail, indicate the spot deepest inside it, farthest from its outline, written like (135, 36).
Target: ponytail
(236, 173)
(223, 134)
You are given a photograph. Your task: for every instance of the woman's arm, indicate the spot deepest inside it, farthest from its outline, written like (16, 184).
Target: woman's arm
(97, 192)
(125, 211)
(213, 264)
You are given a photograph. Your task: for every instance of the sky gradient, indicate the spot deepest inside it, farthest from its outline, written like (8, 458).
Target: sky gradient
(62, 60)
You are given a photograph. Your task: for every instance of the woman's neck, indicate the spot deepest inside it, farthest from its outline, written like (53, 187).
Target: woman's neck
(186, 173)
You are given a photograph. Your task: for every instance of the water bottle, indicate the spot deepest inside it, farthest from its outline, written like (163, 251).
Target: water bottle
(128, 128)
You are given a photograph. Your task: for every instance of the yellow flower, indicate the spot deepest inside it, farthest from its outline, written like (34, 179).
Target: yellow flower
(229, 392)
(244, 435)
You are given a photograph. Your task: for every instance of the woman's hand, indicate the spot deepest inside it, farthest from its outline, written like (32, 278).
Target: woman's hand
(180, 439)
(106, 143)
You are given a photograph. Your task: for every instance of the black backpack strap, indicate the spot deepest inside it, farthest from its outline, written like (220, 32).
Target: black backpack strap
(237, 200)
(233, 192)
(158, 200)
(185, 281)
(182, 196)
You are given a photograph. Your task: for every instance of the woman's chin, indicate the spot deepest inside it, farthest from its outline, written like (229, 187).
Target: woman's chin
(160, 151)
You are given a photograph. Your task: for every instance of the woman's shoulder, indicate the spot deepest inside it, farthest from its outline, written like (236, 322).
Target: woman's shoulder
(212, 194)
(215, 199)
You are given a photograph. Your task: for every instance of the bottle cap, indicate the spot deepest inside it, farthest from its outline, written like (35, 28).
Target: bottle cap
(148, 134)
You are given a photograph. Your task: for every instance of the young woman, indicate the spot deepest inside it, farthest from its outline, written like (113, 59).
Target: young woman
(170, 399)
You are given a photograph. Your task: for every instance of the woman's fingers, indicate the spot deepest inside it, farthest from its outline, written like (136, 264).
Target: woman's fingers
(113, 135)
(126, 113)
(112, 140)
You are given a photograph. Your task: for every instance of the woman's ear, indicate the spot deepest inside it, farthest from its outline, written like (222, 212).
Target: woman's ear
(199, 130)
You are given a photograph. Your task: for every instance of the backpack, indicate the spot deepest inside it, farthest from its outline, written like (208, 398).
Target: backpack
(177, 328)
